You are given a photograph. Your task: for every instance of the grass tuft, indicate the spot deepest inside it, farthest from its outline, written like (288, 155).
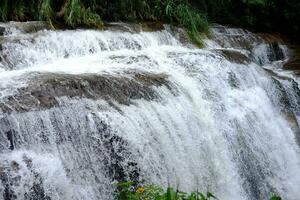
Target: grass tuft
(76, 14)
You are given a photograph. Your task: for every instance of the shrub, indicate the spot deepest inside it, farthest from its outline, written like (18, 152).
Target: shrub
(74, 13)
(135, 191)
(131, 191)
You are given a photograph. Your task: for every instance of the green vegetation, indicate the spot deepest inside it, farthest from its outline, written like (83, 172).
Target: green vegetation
(259, 15)
(275, 198)
(68, 12)
(133, 191)
(130, 191)
(282, 16)
(89, 13)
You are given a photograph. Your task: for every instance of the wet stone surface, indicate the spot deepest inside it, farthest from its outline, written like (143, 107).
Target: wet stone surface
(23, 27)
(11, 178)
(133, 27)
(294, 62)
(234, 56)
(44, 88)
(2, 30)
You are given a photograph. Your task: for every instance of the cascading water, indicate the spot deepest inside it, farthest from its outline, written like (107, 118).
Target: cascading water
(82, 109)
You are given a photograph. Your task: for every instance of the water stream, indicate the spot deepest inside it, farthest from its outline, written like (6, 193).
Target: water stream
(83, 109)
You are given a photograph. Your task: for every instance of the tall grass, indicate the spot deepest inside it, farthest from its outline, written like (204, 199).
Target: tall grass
(4, 10)
(74, 13)
(69, 12)
(45, 11)
(14, 10)
(193, 21)
(181, 13)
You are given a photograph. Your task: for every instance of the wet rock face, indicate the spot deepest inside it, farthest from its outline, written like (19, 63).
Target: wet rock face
(10, 177)
(43, 90)
(272, 38)
(181, 35)
(115, 154)
(133, 27)
(234, 38)
(275, 52)
(2, 30)
(234, 56)
(288, 100)
(293, 64)
(23, 27)
(284, 101)
(10, 137)
(253, 172)
(260, 48)
(8, 35)
(96, 148)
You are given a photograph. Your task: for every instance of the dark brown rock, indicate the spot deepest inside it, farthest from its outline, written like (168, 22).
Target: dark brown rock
(2, 30)
(294, 61)
(44, 89)
(273, 38)
(28, 27)
(293, 64)
(234, 56)
(134, 27)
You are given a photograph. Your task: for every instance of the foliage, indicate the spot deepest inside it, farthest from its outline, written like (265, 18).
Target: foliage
(12, 10)
(69, 12)
(259, 15)
(275, 198)
(131, 191)
(189, 18)
(89, 13)
(134, 191)
(75, 14)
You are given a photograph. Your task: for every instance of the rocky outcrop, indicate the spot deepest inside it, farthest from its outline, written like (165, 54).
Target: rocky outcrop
(294, 62)
(43, 89)
(11, 178)
(115, 155)
(234, 56)
(23, 27)
(134, 27)
(2, 30)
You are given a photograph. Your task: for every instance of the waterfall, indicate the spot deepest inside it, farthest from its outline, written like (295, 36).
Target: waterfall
(83, 109)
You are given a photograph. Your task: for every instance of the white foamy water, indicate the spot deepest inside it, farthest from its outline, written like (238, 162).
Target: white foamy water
(219, 125)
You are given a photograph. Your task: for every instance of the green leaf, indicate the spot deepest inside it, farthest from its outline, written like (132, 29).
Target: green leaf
(275, 198)
(210, 195)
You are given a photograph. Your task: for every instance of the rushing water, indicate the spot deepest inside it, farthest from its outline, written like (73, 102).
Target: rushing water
(82, 109)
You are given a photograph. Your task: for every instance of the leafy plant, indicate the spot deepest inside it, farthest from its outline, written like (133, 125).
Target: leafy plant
(193, 21)
(76, 14)
(131, 191)
(260, 15)
(275, 198)
(135, 191)
(46, 11)
(4, 10)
